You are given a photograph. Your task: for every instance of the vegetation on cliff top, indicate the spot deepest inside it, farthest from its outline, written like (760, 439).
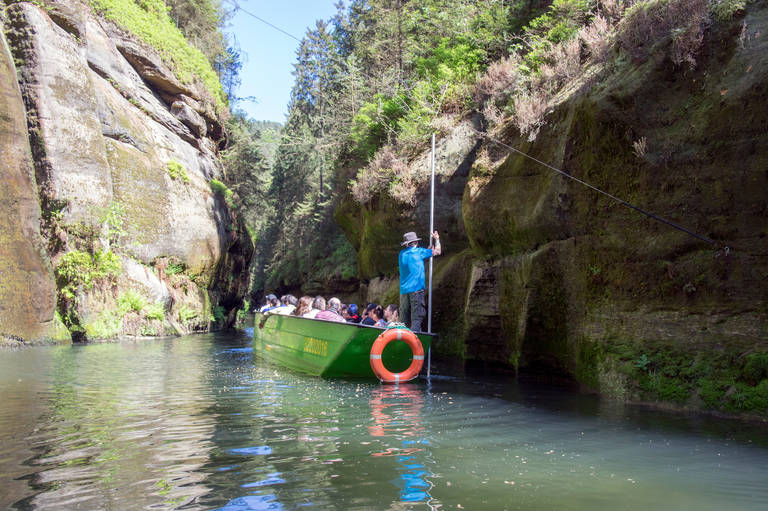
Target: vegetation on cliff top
(149, 20)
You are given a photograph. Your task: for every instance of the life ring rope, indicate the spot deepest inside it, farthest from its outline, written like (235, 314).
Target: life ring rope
(381, 342)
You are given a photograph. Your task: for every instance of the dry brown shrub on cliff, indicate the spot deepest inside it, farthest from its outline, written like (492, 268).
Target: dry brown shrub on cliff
(596, 37)
(377, 176)
(404, 186)
(564, 62)
(499, 81)
(648, 23)
(530, 109)
(613, 10)
(686, 43)
(493, 114)
(640, 147)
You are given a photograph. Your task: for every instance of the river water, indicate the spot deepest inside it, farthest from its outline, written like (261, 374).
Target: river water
(200, 423)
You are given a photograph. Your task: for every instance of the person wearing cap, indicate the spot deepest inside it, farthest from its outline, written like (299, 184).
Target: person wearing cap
(354, 317)
(412, 277)
(271, 303)
(287, 307)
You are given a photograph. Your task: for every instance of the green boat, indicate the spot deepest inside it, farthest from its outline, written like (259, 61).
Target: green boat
(328, 349)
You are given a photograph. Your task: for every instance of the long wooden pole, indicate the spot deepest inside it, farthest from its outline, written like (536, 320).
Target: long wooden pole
(431, 230)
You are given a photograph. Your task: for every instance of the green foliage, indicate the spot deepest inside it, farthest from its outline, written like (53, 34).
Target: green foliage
(376, 122)
(242, 313)
(177, 171)
(114, 217)
(559, 24)
(155, 311)
(342, 262)
(218, 314)
(201, 22)
(186, 313)
(174, 267)
(642, 362)
(756, 367)
(453, 60)
(149, 21)
(131, 301)
(252, 145)
(81, 269)
(721, 381)
(222, 190)
(747, 398)
(723, 10)
(381, 76)
(106, 324)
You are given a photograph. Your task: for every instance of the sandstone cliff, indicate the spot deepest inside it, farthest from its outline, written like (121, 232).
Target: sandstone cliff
(543, 275)
(109, 225)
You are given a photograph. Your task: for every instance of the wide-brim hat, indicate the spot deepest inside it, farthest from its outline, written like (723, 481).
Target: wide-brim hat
(409, 237)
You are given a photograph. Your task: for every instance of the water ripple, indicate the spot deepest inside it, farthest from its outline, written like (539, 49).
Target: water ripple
(200, 423)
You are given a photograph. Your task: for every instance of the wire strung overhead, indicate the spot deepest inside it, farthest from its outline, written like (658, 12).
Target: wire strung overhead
(237, 7)
(592, 187)
(649, 214)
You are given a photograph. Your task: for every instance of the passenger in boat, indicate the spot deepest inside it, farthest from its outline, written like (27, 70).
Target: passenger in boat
(333, 312)
(391, 314)
(318, 304)
(344, 311)
(288, 306)
(377, 314)
(271, 302)
(305, 305)
(367, 315)
(412, 277)
(353, 316)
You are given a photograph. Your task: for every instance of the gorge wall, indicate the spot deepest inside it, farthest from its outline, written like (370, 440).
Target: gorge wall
(109, 225)
(543, 275)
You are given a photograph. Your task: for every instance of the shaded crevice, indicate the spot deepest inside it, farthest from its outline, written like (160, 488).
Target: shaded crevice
(121, 136)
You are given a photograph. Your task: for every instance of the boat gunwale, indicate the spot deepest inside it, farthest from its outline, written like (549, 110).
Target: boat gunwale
(358, 325)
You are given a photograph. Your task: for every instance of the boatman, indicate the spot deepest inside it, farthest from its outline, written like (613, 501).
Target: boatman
(411, 262)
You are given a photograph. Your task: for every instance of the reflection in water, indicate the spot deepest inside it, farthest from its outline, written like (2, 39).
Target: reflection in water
(112, 433)
(199, 423)
(396, 413)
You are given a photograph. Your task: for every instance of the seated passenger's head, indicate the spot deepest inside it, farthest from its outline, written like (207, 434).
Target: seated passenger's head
(305, 305)
(334, 304)
(377, 313)
(318, 303)
(290, 300)
(390, 313)
(352, 309)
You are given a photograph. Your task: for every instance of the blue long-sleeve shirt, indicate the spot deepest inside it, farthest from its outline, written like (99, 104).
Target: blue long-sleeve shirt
(411, 262)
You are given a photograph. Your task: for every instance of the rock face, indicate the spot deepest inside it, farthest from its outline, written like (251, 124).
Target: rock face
(27, 290)
(542, 274)
(118, 162)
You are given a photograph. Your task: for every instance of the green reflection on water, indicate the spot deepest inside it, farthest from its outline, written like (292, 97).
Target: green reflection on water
(199, 423)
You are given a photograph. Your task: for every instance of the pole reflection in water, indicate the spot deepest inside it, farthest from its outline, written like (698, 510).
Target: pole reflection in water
(397, 414)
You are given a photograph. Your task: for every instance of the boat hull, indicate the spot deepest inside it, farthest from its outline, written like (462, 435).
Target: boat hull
(325, 348)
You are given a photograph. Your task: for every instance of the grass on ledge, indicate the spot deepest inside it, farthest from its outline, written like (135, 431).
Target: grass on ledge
(149, 21)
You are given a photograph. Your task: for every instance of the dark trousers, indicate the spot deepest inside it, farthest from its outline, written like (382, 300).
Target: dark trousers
(412, 310)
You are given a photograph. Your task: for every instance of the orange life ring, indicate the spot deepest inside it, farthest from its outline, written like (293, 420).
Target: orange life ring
(381, 342)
